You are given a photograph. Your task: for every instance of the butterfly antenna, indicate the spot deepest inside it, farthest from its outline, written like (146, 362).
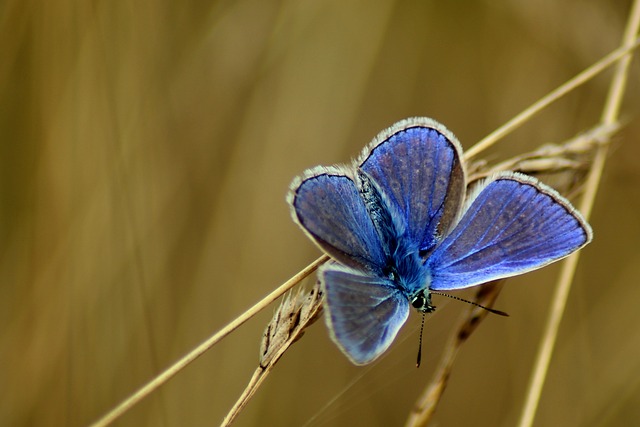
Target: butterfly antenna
(420, 343)
(491, 310)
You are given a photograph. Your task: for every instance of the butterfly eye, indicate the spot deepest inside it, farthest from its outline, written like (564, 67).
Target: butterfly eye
(422, 302)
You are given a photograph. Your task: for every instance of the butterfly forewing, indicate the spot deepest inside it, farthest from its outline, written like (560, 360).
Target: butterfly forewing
(416, 163)
(328, 206)
(515, 224)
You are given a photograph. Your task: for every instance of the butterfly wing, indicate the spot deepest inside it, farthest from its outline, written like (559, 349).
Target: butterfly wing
(416, 164)
(364, 313)
(515, 224)
(327, 205)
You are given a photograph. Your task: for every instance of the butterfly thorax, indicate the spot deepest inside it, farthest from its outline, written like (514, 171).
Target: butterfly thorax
(405, 264)
(407, 269)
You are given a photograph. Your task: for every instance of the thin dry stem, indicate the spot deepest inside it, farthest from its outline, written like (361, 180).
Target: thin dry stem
(295, 314)
(563, 166)
(545, 101)
(609, 117)
(168, 373)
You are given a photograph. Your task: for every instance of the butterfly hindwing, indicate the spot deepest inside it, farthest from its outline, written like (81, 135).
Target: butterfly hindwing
(417, 164)
(515, 224)
(364, 312)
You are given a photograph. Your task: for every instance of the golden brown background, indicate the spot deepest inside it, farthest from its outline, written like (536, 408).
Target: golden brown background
(147, 147)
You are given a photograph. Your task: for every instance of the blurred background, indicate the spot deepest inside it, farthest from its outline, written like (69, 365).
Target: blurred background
(147, 148)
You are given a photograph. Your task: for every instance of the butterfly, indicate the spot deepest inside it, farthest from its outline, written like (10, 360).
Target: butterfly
(398, 224)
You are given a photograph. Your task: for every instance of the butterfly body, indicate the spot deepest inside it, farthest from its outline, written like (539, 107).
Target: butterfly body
(397, 226)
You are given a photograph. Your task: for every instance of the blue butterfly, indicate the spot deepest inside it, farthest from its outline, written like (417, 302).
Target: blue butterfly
(397, 225)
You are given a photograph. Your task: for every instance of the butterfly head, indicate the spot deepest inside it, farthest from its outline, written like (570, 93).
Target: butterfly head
(421, 301)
